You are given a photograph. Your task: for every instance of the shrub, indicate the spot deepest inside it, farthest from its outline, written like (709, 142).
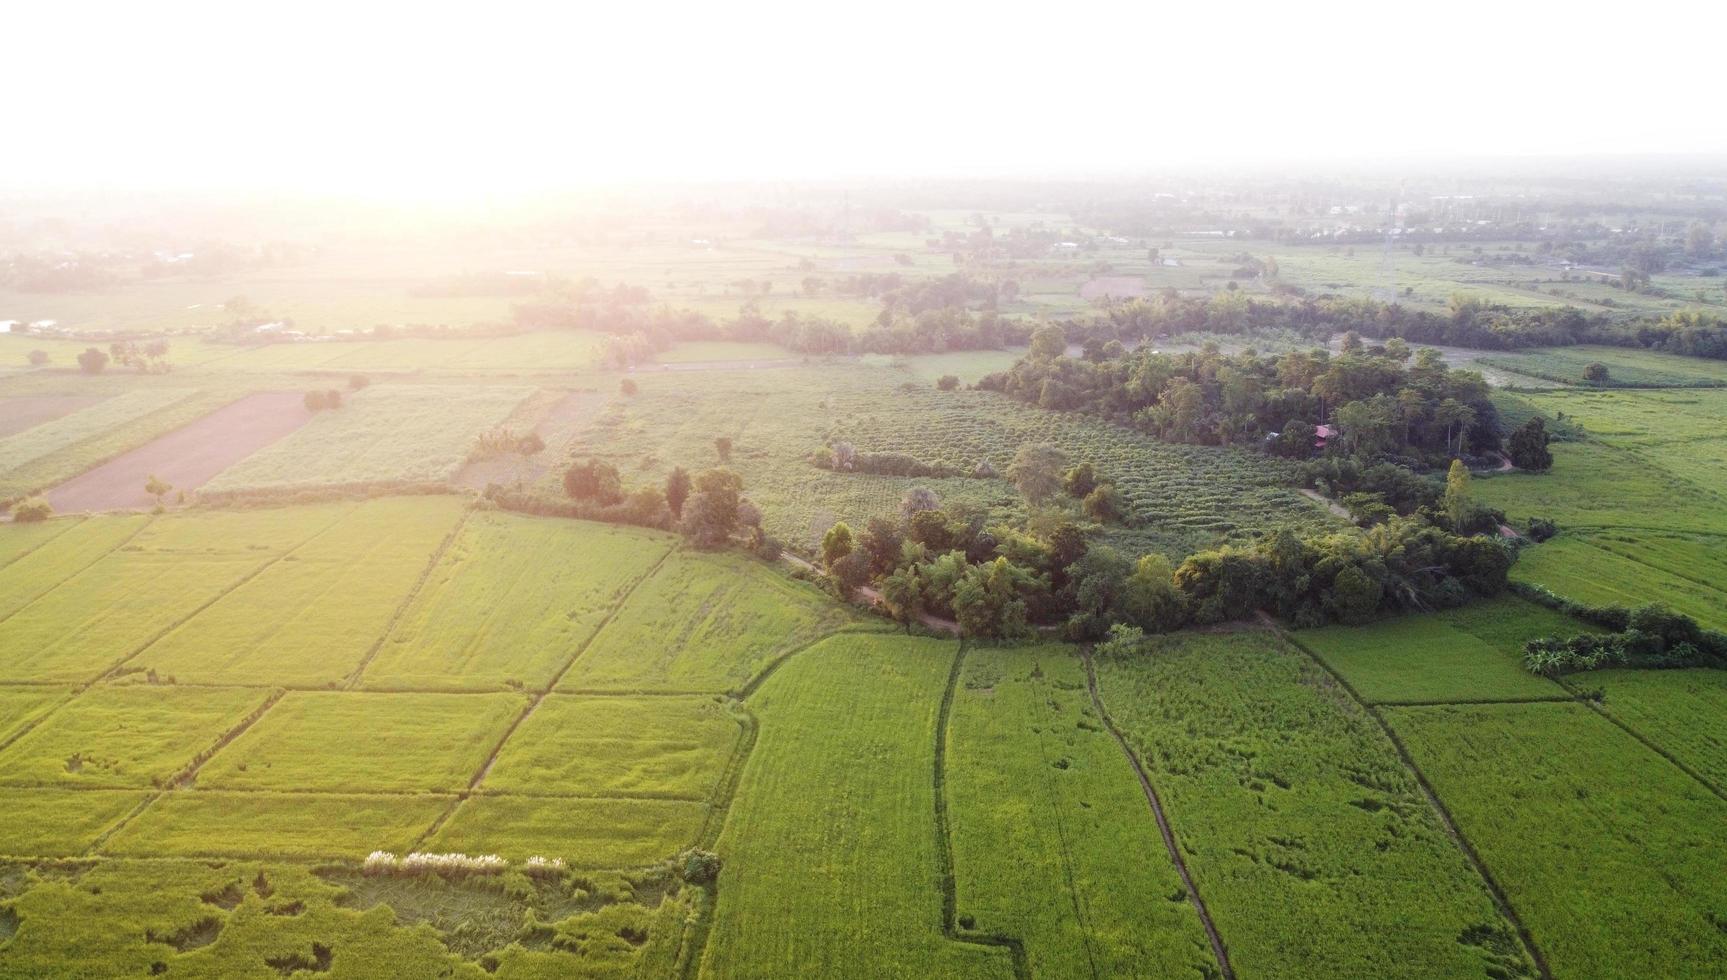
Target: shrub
(698, 867)
(1596, 373)
(37, 358)
(358, 381)
(947, 382)
(314, 401)
(92, 361)
(1541, 529)
(332, 399)
(32, 510)
(628, 387)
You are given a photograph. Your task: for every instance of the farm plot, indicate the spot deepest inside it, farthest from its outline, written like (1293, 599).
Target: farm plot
(550, 350)
(1468, 654)
(1283, 793)
(310, 619)
(46, 823)
(56, 551)
(1684, 712)
(666, 747)
(1183, 497)
(1578, 567)
(187, 457)
(56, 451)
(125, 736)
(586, 833)
(38, 441)
(1042, 806)
(99, 617)
(332, 826)
(831, 866)
(703, 622)
(511, 601)
(1609, 853)
(386, 433)
(364, 743)
(21, 412)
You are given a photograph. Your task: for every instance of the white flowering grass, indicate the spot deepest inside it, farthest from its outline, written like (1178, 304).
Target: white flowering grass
(423, 862)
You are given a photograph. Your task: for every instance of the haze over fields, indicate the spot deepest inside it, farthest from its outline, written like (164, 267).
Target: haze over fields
(854, 492)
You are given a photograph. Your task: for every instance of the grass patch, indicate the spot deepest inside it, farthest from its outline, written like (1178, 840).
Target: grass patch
(1610, 854)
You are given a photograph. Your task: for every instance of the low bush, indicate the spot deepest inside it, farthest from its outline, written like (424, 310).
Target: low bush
(32, 510)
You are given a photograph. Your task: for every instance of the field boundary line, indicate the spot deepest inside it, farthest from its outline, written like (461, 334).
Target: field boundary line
(138, 651)
(93, 562)
(1218, 949)
(1446, 820)
(1549, 699)
(189, 772)
(186, 774)
(353, 679)
(538, 696)
(944, 845)
(69, 450)
(27, 552)
(1646, 741)
(131, 815)
(1053, 795)
(30, 726)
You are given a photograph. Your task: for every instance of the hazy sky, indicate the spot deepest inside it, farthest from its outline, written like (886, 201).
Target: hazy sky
(425, 98)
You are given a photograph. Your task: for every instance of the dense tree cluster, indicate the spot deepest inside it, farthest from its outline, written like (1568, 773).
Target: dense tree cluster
(998, 581)
(1380, 400)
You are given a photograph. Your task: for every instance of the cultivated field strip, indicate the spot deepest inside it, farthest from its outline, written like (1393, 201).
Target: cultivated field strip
(822, 809)
(1500, 898)
(41, 568)
(1560, 803)
(1285, 792)
(1041, 802)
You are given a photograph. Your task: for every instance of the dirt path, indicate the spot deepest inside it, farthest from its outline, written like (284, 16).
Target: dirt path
(188, 457)
(1336, 509)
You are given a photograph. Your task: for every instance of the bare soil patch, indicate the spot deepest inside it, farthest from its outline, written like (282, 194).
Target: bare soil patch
(28, 411)
(188, 457)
